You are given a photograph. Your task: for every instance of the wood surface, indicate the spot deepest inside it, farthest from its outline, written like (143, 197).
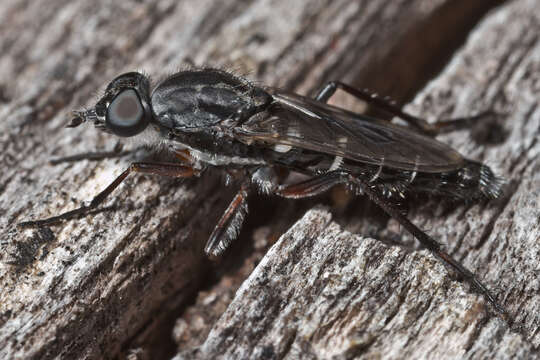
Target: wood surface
(132, 281)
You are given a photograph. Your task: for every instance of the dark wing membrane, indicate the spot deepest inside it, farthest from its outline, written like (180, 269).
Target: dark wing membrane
(297, 121)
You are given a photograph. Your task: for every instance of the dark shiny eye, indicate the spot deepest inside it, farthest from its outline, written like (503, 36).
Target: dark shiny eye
(126, 115)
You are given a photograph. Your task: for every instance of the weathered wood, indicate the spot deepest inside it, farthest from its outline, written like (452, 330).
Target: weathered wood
(323, 292)
(93, 287)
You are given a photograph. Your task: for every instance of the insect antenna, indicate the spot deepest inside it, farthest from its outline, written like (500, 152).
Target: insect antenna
(77, 119)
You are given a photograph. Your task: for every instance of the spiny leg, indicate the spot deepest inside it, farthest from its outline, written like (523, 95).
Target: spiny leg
(320, 184)
(385, 104)
(433, 246)
(228, 227)
(163, 169)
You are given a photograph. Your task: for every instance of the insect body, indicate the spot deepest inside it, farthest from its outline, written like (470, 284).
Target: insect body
(210, 118)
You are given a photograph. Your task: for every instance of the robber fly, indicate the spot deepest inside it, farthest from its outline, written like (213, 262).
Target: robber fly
(210, 118)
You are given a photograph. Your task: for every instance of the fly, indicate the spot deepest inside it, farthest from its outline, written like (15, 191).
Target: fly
(211, 118)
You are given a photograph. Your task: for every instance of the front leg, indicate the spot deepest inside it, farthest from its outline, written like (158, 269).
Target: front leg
(163, 169)
(116, 152)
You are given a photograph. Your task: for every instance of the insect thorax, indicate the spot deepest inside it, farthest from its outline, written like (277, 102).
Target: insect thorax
(194, 108)
(203, 98)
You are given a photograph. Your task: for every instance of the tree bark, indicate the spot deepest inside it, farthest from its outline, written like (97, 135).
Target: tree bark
(112, 284)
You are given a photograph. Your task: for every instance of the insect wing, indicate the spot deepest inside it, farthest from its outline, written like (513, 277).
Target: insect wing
(297, 121)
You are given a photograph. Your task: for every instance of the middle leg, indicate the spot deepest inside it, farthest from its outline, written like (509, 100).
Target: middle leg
(229, 225)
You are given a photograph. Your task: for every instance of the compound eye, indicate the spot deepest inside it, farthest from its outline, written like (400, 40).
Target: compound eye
(126, 114)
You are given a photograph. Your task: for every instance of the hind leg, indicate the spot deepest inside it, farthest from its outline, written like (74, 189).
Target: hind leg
(432, 129)
(319, 184)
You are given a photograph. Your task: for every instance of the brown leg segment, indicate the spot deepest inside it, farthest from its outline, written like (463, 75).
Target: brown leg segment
(312, 187)
(184, 156)
(228, 227)
(163, 169)
(373, 99)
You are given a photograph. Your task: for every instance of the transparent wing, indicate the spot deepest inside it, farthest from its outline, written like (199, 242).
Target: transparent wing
(297, 121)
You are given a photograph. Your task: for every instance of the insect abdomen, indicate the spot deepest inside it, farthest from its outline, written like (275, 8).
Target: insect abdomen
(473, 182)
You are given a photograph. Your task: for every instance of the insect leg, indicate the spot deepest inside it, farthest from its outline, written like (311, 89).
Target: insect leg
(163, 169)
(228, 227)
(319, 184)
(116, 152)
(384, 104)
(184, 156)
(429, 243)
(312, 187)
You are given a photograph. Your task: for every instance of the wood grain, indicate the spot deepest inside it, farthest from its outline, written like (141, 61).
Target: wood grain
(323, 292)
(109, 285)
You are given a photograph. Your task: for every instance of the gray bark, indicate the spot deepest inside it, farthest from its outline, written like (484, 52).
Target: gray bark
(324, 292)
(111, 284)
